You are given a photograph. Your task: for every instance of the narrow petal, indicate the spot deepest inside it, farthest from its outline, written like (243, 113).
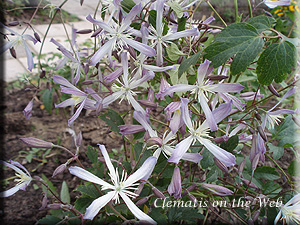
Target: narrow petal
(77, 113)
(30, 63)
(159, 56)
(87, 176)
(225, 88)
(178, 88)
(136, 211)
(159, 16)
(145, 49)
(101, 24)
(157, 68)
(202, 70)
(5, 47)
(185, 114)
(136, 83)
(108, 162)
(72, 91)
(282, 112)
(143, 173)
(140, 117)
(209, 116)
(225, 157)
(192, 157)
(286, 95)
(66, 103)
(175, 186)
(135, 104)
(175, 122)
(30, 38)
(130, 16)
(10, 191)
(114, 75)
(111, 98)
(272, 4)
(63, 81)
(106, 48)
(277, 218)
(98, 204)
(185, 33)
(180, 150)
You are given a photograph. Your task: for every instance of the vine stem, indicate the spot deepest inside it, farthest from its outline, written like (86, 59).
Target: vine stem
(214, 10)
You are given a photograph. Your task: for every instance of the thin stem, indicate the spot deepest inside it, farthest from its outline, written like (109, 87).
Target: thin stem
(213, 9)
(236, 11)
(250, 9)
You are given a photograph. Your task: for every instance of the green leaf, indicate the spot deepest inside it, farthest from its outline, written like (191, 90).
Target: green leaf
(112, 119)
(276, 150)
(88, 189)
(176, 8)
(50, 185)
(181, 24)
(82, 203)
(186, 63)
(292, 168)
(47, 100)
(266, 172)
(64, 193)
(152, 21)
(261, 22)
(276, 62)
(156, 214)
(231, 143)
(240, 40)
(92, 154)
(49, 220)
(127, 5)
(173, 52)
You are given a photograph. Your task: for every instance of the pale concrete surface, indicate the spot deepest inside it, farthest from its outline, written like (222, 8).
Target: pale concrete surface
(14, 68)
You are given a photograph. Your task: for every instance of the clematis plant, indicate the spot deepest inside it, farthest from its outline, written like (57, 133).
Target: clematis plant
(23, 178)
(120, 187)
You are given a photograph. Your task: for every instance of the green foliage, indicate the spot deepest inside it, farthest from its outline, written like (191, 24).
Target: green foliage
(173, 52)
(127, 5)
(276, 62)
(176, 8)
(231, 143)
(112, 119)
(276, 150)
(186, 63)
(64, 193)
(240, 40)
(266, 172)
(92, 154)
(47, 98)
(292, 168)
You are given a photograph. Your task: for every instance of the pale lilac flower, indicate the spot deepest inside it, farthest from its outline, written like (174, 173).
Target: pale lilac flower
(23, 180)
(257, 148)
(130, 129)
(201, 133)
(249, 96)
(120, 187)
(164, 85)
(78, 97)
(125, 90)
(217, 189)
(202, 88)
(160, 40)
(120, 35)
(70, 55)
(176, 121)
(28, 110)
(16, 40)
(163, 145)
(174, 187)
(272, 116)
(290, 212)
(274, 3)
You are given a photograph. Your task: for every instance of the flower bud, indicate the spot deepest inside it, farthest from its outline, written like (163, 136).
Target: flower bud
(148, 104)
(262, 133)
(13, 23)
(79, 139)
(132, 52)
(84, 31)
(59, 169)
(179, 60)
(221, 165)
(44, 202)
(158, 193)
(87, 82)
(142, 201)
(36, 143)
(217, 189)
(273, 90)
(241, 167)
(28, 109)
(139, 189)
(250, 222)
(254, 162)
(190, 188)
(130, 129)
(251, 130)
(55, 206)
(264, 220)
(86, 68)
(217, 77)
(97, 32)
(267, 13)
(43, 74)
(204, 39)
(248, 183)
(37, 36)
(175, 186)
(256, 215)
(13, 52)
(257, 116)
(193, 198)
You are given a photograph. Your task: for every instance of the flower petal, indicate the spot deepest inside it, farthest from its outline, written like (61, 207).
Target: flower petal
(185, 114)
(88, 176)
(130, 16)
(185, 33)
(66, 103)
(225, 88)
(209, 116)
(181, 149)
(136, 211)
(29, 57)
(145, 49)
(106, 48)
(76, 114)
(202, 70)
(101, 24)
(140, 117)
(143, 173)
(10, 191)
(108, 162)
(192, 157)
(98, 204)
